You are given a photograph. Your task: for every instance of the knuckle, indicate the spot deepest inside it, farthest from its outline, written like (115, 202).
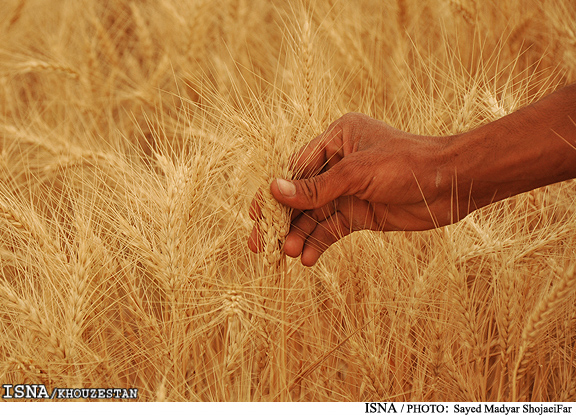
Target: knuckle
(350, 117)
(353, 119)
(352, 125)
(310, 190)
(344, 131)
(345, 122)
(356, 174)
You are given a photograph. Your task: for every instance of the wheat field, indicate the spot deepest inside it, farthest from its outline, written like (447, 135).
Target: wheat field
(134, 135)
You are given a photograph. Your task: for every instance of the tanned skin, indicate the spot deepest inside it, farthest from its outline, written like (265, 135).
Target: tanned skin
(363, 174)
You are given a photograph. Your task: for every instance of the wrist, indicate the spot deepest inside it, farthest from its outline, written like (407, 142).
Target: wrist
(480, 168)
(525, 150)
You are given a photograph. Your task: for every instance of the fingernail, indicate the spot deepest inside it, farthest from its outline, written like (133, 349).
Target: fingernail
(286, 188)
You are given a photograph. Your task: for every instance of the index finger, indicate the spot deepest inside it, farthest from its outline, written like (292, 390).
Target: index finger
(315, 155)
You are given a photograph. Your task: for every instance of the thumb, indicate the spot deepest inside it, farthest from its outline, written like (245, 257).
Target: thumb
(307, 194)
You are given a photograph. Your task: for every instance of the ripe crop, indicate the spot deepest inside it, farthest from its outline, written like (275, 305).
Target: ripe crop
(134, 135)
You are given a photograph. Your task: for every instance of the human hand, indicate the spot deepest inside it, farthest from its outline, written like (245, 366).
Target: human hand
(360, 174)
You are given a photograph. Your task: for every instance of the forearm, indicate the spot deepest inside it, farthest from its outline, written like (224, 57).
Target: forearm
(530, 148)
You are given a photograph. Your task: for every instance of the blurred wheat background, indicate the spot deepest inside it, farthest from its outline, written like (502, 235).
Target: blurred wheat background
(134, 134)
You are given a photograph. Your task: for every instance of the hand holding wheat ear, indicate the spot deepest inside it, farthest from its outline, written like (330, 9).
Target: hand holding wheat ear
(363, 174)
(359, 174)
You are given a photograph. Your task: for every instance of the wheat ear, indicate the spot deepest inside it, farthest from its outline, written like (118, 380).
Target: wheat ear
(537, 323)
(235, 338)
(465, 315)
(307, 56)
(274, 227)
(79, 286)
(38, 324)
(507, 329)
(30, 227)
(39, 66)
(371, 368)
